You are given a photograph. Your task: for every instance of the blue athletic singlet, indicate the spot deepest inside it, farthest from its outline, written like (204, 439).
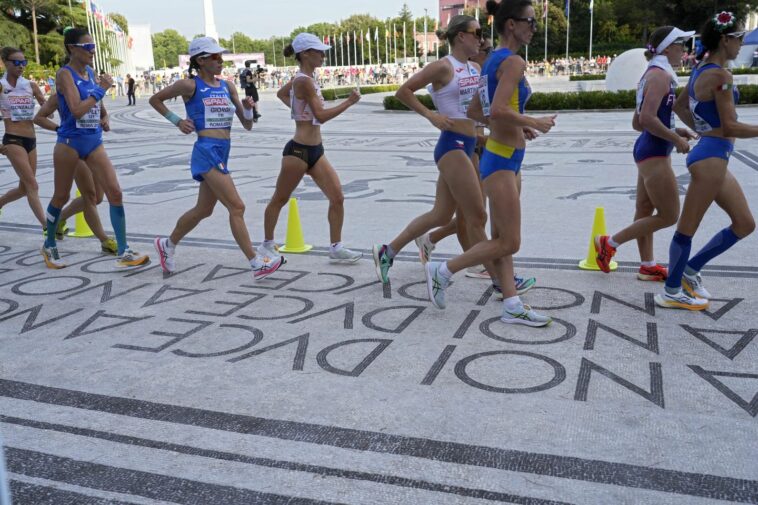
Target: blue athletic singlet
(705, 113)
(210, 107)
(89, 124)
(648, 145)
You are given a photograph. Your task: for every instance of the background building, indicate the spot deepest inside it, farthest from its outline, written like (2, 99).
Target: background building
(142, 47)
(450, 8)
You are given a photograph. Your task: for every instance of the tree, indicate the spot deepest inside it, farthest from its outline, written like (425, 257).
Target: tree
(35, 6)
(167, 46)
(121, 21)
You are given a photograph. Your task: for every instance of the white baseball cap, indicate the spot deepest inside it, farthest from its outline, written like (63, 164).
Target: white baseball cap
(207, 45)
(305, 41)
(676, 34)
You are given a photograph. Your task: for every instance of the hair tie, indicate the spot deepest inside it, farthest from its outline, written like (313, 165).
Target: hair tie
(724, 20)
(651, 48)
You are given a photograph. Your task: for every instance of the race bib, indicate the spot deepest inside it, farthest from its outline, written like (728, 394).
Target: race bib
(91, 120)
(219, 112)
(21, 108)
(467, 87)
(484, 95)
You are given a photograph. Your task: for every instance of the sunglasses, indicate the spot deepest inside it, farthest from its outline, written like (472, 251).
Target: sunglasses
(737, 35)
(19, 63)
(214, 56)
(532, 21)
(475, 32)
(89, 47)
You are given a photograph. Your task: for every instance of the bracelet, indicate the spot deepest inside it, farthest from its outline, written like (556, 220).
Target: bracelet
(172, 117)
(97, 93)
(248, 113)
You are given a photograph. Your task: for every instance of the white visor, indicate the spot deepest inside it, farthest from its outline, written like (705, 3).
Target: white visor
(672, 37)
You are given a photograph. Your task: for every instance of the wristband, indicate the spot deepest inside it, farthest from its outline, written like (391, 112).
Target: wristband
(248, 113)
(172, 117)
(97, 93)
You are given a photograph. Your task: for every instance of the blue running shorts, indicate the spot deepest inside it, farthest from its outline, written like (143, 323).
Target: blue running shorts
(450, 141)
(710, 147)
(499, 156)
(209, 153)
(84, 145)
(649, 146)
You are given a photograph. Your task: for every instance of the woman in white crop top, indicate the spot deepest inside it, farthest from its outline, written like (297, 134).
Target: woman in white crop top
(304, 154)
(453, 81)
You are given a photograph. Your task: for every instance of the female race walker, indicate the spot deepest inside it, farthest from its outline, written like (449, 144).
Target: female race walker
(92, 193)
(17, 95)
(304, 154)
(657, 189)
(80, 137)
(708, 107)
(454, 82)
(503, 93)
(211, 105)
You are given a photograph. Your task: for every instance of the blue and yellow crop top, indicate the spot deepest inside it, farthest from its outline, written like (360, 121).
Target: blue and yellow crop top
(488, 84)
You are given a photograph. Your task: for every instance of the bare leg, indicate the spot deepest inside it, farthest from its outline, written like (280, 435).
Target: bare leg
(206, 201)
(326, 178)
(292, 172)
(25, 165)
(224, 190)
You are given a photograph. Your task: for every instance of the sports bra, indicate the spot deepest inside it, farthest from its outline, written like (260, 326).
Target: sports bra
(705, 113)
(17, 103)
(453, 99)
(299, 108)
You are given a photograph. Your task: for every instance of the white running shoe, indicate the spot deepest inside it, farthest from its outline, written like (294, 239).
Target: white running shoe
(52, 258)
(425, 248)
(478, 273)
(165, 254)
(132, 258)
(693, 285)
(436, 283)
(680, 300)
(525, 316)
(268, 267)
(345, 255)
(268, 252)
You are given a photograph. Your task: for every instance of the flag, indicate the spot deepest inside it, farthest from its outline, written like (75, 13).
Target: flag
(348, 37)
(368, 36)
(568, 8)
(386, 34)
(376, 35)
(477, 13)
(544, 9)
(436, 24)
(591, 2)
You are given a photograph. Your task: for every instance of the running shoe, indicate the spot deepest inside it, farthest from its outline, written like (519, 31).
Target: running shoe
(382, 263)
(269, 266)
(522, 286)
(693, 285)
(345, 255)
(52, 258)
(132, 258)
(436, 283)
(62, 230)
(478, 273)
(165, 254)
(680, 300)
(109, 246)
(425, 248)
(525, 316)
(656, 273)
(268, 252)
(605, 252)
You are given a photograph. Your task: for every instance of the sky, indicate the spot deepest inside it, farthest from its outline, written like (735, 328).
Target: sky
(255, 18)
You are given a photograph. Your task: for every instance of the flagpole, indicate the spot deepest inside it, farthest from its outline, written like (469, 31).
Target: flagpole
(369, 46)
(405, 45)
(376, 39)
(591, 23)
(273, 45)
(568, 27)
(355, 49)
(547, 11)
(394, 39)
(342, 50)
(426, 38)
(363, 47)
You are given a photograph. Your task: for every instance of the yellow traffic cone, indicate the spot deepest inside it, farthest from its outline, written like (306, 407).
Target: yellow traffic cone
(295, 242)
(81, 228)
(598, 228)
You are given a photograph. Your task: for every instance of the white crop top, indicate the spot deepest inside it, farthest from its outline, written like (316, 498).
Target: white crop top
(453, 99)
(299, 108)
(17, 103)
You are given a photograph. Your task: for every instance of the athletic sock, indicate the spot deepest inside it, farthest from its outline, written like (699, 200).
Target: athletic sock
(335, 247)
(118, 221)
(613, 243)
(719, 244)
(679, 253)
(53, 216)
(269, 244)
(513, 304)
(169, 244)
(648, 263)
(445, 272)
(389, 251)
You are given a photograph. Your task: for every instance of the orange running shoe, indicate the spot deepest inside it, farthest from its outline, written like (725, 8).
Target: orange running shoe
(605, 252)
(656, 273)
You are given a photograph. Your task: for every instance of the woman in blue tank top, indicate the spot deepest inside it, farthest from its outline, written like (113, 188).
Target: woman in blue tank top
(210, 105)
(657, 189)
(708, 107)
(80, 137)
(503, 93)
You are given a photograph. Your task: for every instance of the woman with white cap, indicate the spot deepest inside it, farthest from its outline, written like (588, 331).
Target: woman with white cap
(657, 189)
(211, 105)
(304, 154)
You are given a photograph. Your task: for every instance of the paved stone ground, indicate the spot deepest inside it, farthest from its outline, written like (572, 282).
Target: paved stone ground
(320, 386)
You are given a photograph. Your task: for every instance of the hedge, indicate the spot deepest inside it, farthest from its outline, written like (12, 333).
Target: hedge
(344, 92)
(583, 100)
(600, 77)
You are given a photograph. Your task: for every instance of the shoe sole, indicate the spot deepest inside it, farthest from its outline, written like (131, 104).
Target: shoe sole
(421, 257)
(51, 265)
(346, 260)
(525, 322)
(430, 286)
(144, 260)
(676, 305)
(282, 261)
(478, 275)
(375, 253)
(159, 250)
(651, 278)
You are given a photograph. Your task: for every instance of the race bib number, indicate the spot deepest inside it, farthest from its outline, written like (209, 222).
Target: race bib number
(91, 119)
(484, 95)
(467, 87)
(219, 112)
(21, 108)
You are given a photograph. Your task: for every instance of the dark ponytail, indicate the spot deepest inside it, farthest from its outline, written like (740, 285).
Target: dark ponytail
(720, 24)
(193, 66)
(505, 10)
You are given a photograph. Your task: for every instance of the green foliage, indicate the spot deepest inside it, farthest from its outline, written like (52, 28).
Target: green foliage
(167, 46)
(16, 35)
(392, 103)
(337, 93)
(600, 77)
(120, 20)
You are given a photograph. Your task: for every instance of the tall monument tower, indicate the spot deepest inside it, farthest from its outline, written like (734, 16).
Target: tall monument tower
(210, 23)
